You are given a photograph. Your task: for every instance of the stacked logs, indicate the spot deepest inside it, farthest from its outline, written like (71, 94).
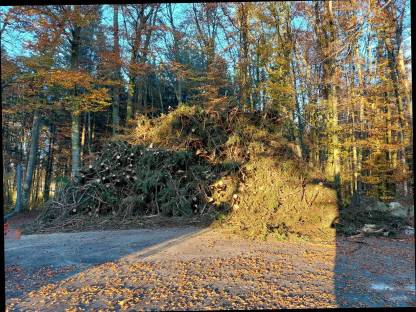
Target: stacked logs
(115, 169)
(126, 180)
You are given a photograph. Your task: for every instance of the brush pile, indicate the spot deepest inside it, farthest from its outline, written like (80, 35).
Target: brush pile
(233, 166)
(132, 180)
(367, 216)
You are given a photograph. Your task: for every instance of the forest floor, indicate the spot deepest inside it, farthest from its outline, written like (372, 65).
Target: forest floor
(191, 268)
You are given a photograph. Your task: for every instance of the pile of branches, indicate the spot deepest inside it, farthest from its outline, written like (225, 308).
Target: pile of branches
(134, 180)
(357, 221)
(218, 136)
(230, 164)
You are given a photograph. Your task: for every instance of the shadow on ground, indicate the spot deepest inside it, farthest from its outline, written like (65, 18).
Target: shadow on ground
(374, 271)
(194, 268)
(40, 259)
(361, 272)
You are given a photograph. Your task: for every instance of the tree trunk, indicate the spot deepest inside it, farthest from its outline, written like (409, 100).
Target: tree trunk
(75, 141)
(130, 90)
(89, 117)
(145, 93)
(326, 34)
(299, 133)
(75, 147)
(19, 188)
(116, 91)
(83, 134)
(178, 85)
(360, 118)
(244, 78)
(116, 114)
(160, 96)
(49, 164)
(6, 186)
(38, 185)
(179, 90)
(32, 159)
(333, 103)
(401, 122)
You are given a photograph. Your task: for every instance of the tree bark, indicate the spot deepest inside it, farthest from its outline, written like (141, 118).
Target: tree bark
(116, 90)
(49, 164)
(243, 61)
(75, 140)
(19, 188)
(130, 102)
(75, 146)
(178, 84)
(32, 159)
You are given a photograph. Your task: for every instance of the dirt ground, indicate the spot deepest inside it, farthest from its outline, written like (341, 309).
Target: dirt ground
(190, 268)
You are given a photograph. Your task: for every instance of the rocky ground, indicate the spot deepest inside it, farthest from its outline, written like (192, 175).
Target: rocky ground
(189, 268)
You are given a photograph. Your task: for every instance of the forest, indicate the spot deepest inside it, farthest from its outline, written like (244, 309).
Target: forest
(88, 91)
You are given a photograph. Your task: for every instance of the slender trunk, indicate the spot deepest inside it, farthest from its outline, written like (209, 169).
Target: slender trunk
(89, 132)
(243, 62)
(38, 184)
(93, 130)
(145, 92)
(83, 134)
(391, 154)
(115, 111)
(132, 87)
(137, 99)
(403, 77)
(179, 90)
(298, 113)
(152, 101)
(25, 152)
(354, 166)
(49, 164)
(178, 85)
(116, 90)
(19, 187)
(401, 122)
(334, 136)
(130, 90)
(75, 147)
(6, 186)
(75, 140)
(160, 96)
(360, 119)
(333, 100)
(33, 188)
(32, 159)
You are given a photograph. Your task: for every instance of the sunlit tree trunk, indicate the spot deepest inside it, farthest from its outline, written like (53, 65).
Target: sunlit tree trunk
(32, 159)
(326, 34)
(176, 42)
(242, 12)
(49, 163)
(358, 161)
(75, 123)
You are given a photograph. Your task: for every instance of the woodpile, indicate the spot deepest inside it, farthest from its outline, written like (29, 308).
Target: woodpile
(134, 180)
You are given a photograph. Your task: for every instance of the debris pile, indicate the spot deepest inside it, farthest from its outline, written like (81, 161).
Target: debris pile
(133, 180)
(233, 166)
(367, 216)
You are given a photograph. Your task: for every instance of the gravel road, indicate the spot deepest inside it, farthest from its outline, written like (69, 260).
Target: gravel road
(189, 268)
